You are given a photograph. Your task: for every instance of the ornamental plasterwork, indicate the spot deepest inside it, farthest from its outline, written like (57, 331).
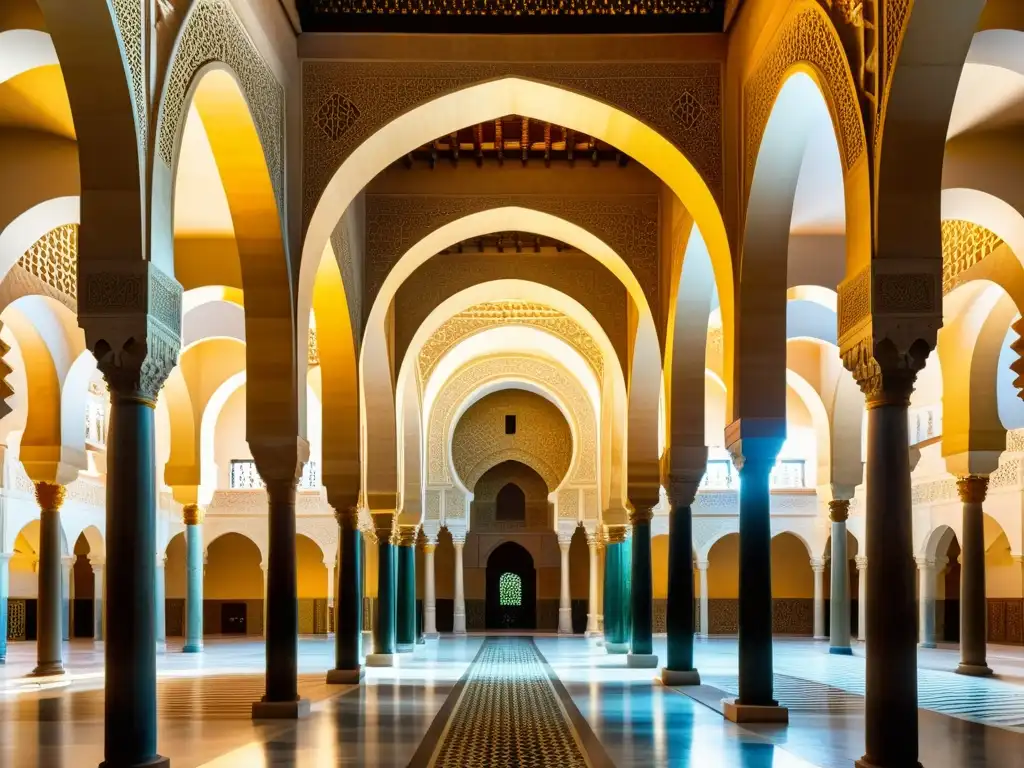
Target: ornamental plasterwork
(351, 276)
(708, 530)
(53, 258)
(313, 352)
(212, 33)
(128, 14)
(491, 314)
(476, 375)
(807, 37)
(346, 102)
(1015, 440)
(627, 223)
(964, 244)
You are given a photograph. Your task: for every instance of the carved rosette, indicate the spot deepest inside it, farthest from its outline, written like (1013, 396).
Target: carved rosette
(50, 496)
(839, 510)
(131, 313)
(972, 488)
(192, 514)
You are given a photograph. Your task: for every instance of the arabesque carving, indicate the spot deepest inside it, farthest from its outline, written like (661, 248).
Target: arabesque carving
(964, 244)
(53, 258)
(128, 14)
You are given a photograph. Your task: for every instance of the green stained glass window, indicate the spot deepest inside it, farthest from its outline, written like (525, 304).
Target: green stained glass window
(510, 589)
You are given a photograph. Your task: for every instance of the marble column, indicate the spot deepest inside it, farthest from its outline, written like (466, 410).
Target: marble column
(429, 589)
(862, 597)
(679, 668)
(702, 574)
(839, 613)
(616, 623)
(592, 599)
(348, 615)
(160, 601)
(5, 589)
(600, 583)
(818, 567)
(564, 596)
(926, 602)
(49, 606)
(331, 618)
(99, 604)
(384, 622)
(281, 700)
(67, 563)
(265, 566)
(755, 458)
(973, 602)
(641, 645)
(405, 627)
(459, 623)
(193, 515)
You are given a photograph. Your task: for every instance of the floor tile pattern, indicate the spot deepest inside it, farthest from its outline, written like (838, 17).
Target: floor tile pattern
(796, 694)
(508, 714)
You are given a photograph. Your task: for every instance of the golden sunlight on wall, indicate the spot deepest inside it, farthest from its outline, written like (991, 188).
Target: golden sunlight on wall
(659, 566)
(24, 582)
(174, 568)
(1003, 576)
(229, 439)
(791, 568)
(233, 569)
(312, 572)
(724, 567)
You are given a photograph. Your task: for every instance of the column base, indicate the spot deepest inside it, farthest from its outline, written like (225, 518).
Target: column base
(838, 650)
(421, 640)
(280, 710)
(193, 648)
(345, 676)
(680, 676)
(754, 713)
(157, 762)
(616, 647)
(926, 645)
(380, 659)
(973, 670)
(459, 632)
(431, 635)
(820, 637)
(405, 647)
(865, 763)
(49, 669)
(591, 633)
(641, 660)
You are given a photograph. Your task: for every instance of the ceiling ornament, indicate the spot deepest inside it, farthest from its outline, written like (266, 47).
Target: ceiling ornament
(964, 244)
(482, 317)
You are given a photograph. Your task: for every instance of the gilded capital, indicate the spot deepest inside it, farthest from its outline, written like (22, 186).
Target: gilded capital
(406, 535)
(839, 510)
(192, 514)
(972, 488)
(50, 496)
(616, 534)
(641, 515)
(347, 517)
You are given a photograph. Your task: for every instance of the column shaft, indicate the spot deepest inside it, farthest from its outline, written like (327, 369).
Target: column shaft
(705, 626)
(973, 603)
(384, 626)
(679, 616)
(348, 612)
(819, 598)
(5, 589)
(641, 597)
(66, 564)
(49, 610)
(193, 588)
(592, 603)
(839, 615)
(99, 605)
(926, 603)
(459, 622)
(564, 597)
(282, 605)
(429, 592)
(616, 629)
(160, 607)
(862, 598)
(406, 611)
(331, 614)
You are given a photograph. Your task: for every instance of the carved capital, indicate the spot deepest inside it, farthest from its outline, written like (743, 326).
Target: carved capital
(406, 535)
(50, 496)
(347, 517)
(972, 488)
(192, 514)
(683, 481)
(280, 460)
(839, 510)
(616, 534)
(861, 561)
(641, 515)
(754, 444)
(131, 313)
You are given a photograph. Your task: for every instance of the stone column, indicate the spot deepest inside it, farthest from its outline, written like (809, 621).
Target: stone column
(264, 566)
(705, 621)
(99, 608)
(160, 604)
(679, 668)
(67, 563)
(600, 584)
(839, 615)
(616, 626)
(348, 615)
(49, 611)
(862, 597)
(818, 566)
(564, 596)
(405, 630)
(641, 652)
(592, 599)
(192, 514)
(755, 458)
(5, 589)
(926, 602)
(973, 603)
(429, 589)
(384, 622)
(459, 623)
(329, 565)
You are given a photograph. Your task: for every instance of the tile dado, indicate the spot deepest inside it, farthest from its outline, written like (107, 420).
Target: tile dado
(790, 616)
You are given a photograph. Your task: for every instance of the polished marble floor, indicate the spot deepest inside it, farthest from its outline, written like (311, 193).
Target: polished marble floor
(618, 716)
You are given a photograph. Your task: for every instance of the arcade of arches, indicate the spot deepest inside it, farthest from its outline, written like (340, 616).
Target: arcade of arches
(678, 352)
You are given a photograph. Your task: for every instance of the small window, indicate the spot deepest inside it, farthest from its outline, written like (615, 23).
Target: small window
(510, 590)
(510, 424)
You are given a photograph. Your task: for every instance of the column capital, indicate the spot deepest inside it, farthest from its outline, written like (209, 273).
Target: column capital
(702, 565)
(616, 534)
(50, 496)
(753, 441)
(347, 516)
(972, 488)
(926, 563)
(406, 535)
(641, 515)
(161, 559)
(68, 561)
(131, 313)
(192, 514)
(280, 460)
(818, 564)
(429, 547)
(687, 467)
(839, 510)
(564, 540)
(861, 561)
(96, 561)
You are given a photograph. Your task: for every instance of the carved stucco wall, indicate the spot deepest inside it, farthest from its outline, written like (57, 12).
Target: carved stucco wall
(627, 223)
(344, 242)
(964, 244)
(542, 439)
(128, 15)
(575, 274)
(212, 33)
(346, 102)
(48, 268)
(485, 494)
(480, 317)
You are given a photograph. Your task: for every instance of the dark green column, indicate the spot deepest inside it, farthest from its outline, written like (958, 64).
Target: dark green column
(384, 620)
(130, 644)
(641, 653)
(679, 668)
(405, 631)
(755, 458)
(50, 606)
(348, 603)
(616, 632)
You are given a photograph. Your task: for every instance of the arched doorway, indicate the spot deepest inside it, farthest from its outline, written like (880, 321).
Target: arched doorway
(511, 588)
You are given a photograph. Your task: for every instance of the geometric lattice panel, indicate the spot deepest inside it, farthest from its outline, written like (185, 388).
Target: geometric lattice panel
(15, 619)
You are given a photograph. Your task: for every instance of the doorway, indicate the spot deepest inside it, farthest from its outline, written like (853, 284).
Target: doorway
(232, 619)
(511, 588)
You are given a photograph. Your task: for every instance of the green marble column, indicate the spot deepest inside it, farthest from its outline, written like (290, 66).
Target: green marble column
(5, 588)
(193, 517)
(641, 646)
(348, 602)
(405, 630)
(384, 622)
(50, 610)
(616, 595)
(679, 668)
